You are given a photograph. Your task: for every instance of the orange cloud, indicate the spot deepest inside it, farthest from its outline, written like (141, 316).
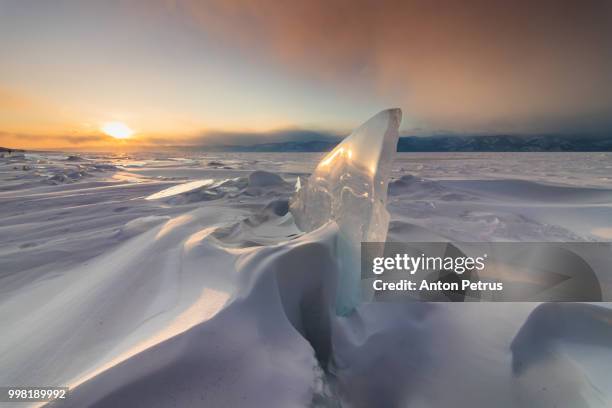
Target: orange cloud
(462, 65)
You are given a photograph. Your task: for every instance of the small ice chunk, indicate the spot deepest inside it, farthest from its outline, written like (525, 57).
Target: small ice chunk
(260, 178)
(349, 186)
(180, 189)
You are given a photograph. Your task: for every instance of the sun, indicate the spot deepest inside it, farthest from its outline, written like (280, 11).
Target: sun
(117, 130)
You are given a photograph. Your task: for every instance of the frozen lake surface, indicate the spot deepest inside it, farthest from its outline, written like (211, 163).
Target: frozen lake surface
(184, 274)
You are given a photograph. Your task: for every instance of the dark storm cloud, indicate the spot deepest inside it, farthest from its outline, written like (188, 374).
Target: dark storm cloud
(466, 65)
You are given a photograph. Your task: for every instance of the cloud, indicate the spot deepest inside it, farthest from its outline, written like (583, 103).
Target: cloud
(473, 65)
(219, 137)
(53, 141)
(280, 135)
(205, 138)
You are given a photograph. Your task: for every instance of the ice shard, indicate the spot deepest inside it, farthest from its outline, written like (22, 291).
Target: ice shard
(349, 186)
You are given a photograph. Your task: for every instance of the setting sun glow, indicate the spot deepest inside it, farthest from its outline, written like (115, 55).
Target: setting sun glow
(117, 130)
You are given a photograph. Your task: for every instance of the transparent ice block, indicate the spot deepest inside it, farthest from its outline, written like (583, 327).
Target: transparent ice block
(349, 186)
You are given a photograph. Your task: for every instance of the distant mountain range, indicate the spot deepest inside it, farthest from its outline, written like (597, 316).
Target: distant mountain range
(507, 143)
(451, 143)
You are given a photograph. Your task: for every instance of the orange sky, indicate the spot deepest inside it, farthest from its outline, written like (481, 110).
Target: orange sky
(178, 71)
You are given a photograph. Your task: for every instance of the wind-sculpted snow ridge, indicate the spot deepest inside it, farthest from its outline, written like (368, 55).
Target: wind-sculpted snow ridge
(349, 186)
(551, 324)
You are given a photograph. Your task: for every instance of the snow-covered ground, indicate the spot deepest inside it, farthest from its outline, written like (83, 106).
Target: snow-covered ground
(181, 280)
